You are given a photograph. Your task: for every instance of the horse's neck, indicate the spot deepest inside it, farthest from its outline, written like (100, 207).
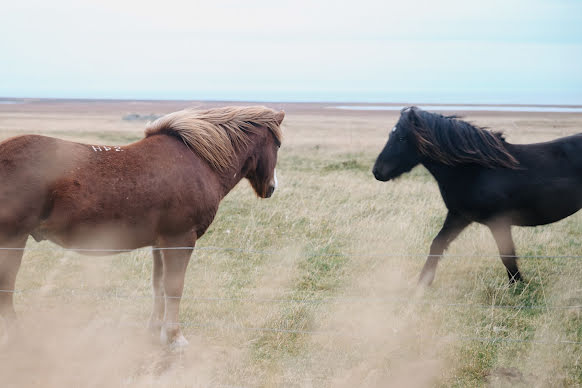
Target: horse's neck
(236, 173)
(446, 175)
(441, 172)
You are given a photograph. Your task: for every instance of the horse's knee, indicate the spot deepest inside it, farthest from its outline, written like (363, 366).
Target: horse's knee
(9, 266)
(437, 245)
(7, 311)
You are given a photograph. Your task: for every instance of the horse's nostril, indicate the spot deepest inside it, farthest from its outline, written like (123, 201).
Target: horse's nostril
(380, 176)
(270, 191)
(375, 172)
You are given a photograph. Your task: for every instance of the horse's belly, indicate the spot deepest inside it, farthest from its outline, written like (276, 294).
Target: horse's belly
(549, 207)
(106, 236)
(542, 216)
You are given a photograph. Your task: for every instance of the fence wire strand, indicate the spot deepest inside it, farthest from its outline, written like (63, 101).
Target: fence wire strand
(281, 251)
(312, 301)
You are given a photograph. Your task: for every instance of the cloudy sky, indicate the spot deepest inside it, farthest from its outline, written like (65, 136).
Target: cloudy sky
(509, 51)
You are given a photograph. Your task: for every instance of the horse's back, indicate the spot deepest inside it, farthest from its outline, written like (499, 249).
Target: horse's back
(546, 186)
(561, 155)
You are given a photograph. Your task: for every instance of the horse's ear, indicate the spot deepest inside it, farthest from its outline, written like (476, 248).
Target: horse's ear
(279, 117)
(412, 115)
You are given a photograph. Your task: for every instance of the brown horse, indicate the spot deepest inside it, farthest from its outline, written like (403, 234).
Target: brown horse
(162, 191)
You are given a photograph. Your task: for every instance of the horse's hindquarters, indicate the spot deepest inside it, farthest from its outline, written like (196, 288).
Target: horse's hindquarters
(548, 204)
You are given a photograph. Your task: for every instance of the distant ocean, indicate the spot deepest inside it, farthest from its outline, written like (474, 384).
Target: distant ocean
(559, 101)
(482, 108)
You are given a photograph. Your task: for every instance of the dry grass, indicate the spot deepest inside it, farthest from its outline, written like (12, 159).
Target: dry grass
(323, 234)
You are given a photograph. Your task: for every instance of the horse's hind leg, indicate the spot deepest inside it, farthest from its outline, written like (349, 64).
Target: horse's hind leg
(502, 235)
(175, 262)
(157, 317)
(453, 226)
(10, 259)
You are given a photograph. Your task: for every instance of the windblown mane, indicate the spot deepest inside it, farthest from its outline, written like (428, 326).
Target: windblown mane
(452, 141)
(216, 134)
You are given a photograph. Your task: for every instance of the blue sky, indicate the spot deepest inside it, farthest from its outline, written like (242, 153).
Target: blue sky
(406, 51)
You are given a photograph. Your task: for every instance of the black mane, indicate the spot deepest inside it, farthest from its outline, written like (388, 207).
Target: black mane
(452, 141)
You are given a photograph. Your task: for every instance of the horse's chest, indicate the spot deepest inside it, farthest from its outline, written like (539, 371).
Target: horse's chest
(455, 197)
(196, 217)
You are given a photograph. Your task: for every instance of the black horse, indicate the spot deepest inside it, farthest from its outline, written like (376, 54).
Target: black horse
(484, 179)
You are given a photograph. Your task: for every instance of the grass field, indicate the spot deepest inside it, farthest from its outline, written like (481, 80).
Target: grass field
(319, 288)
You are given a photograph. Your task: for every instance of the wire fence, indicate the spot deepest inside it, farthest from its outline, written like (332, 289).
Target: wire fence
(280, 251)
(65, 292)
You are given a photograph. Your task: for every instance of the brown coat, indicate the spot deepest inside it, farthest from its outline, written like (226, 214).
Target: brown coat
(161, 191)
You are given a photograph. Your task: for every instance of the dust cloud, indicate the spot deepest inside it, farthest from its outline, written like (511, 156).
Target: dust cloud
(74, 345)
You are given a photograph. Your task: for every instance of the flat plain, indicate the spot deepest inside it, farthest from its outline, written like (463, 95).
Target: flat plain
(315, 287)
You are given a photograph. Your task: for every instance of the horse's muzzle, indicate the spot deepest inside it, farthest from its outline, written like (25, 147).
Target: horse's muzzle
(270, 191)
(379, 175)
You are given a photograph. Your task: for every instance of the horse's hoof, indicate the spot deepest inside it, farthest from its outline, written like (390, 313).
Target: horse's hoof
(513, 279)
(175, 340)
(179, 342)
(423, 283)
(425, 280)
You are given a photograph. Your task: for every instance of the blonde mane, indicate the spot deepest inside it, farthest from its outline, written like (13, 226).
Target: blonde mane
(215, 134)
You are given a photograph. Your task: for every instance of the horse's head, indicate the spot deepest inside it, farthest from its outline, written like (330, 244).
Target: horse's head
(261, 166)
(400, 153)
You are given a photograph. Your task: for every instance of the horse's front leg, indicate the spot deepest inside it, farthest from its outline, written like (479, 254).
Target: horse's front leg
(453, 226)
(175, 262)
(10, 259)
(502, 235)
(156, 319)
